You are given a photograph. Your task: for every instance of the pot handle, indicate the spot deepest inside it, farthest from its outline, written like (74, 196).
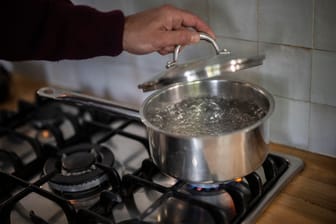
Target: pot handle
(203, 36)
(90, 101)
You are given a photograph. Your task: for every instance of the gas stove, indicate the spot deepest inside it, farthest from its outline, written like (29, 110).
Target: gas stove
(66, 164)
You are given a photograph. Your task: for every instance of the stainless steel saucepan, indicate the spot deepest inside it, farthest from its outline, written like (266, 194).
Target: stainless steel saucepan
(194, 158)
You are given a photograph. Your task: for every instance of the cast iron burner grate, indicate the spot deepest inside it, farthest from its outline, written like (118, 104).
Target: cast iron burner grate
(125, 190)
(245, 194)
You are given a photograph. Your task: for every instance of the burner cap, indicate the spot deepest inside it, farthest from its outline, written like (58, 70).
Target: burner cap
(79, 161)
(77, 176)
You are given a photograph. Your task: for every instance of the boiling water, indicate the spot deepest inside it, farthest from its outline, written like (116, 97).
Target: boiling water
(206, 116)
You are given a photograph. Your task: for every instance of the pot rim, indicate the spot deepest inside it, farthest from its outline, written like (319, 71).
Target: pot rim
(258, 88)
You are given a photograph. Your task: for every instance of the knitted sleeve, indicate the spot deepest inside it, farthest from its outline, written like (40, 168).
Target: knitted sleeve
(57, 29)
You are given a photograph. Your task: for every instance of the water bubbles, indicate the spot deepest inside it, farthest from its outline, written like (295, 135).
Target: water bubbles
(206, 116)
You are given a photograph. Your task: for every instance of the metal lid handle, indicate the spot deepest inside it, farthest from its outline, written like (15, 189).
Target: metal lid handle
(203, 36)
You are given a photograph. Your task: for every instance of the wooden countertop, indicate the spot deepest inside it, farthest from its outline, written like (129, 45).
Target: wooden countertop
(309, 198)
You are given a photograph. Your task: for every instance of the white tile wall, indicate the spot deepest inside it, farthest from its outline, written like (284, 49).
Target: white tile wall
(117, 79)
(239, 48)
(117, 89)
(200, 8)
(63, 73)
(286, 22)
(322, 129)
(234, 18)
(290, 122)
(324, 78)
(137, 6)
(150, 65)
(325, 28)
(286, 71)
(297, 36)
(93, 75)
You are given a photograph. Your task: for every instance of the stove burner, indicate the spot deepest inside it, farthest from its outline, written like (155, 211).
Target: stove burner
(48, 116)
(78, 175)
(45, 136)
(214, 194)
(77, 162)
(205, 188)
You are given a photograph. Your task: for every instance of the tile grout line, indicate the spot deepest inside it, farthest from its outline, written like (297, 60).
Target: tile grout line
(311, 77)
(258, 26)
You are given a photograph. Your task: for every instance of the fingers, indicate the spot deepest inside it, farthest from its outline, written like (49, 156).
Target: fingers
(166, 39)
(183, 30)
(161, 29)
(166, 50)
(183, 18)
(197, 24)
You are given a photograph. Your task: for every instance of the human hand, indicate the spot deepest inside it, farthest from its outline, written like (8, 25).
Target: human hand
(161, 29)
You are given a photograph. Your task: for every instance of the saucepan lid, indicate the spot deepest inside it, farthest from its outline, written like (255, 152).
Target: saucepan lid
(223, 62)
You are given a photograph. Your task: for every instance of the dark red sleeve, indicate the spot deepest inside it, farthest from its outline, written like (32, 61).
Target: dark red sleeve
(57, 29)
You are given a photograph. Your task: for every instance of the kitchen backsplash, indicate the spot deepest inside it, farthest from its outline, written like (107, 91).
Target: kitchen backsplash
(298, 38)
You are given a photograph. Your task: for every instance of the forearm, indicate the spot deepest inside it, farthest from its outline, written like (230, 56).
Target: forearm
(57, 29)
